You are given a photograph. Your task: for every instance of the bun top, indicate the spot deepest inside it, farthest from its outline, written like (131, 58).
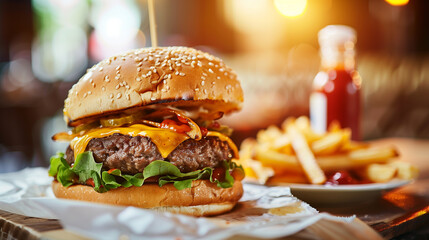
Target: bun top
(177, 76)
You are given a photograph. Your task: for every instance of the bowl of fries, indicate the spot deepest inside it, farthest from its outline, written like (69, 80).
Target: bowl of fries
(309, 162)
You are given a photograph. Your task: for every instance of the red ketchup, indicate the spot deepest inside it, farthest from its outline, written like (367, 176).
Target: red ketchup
(175, 126)
(341, 178)
(336, 88)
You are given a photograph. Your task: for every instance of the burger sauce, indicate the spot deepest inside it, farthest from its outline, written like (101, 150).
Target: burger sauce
(336, 88)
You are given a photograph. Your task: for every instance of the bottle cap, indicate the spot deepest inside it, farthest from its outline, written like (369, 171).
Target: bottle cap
(337, 35)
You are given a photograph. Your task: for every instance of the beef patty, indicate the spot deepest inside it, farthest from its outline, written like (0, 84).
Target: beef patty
(132, 154)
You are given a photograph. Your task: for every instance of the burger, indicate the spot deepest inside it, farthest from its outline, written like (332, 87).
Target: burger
(145, 133)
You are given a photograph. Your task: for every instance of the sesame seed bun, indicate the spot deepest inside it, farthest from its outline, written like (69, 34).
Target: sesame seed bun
(177, 76)
(203, 199)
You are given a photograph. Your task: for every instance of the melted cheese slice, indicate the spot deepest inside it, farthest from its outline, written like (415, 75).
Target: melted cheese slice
(226, 139)
(165, 140)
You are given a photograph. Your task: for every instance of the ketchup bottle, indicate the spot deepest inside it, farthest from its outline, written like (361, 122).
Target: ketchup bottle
(336, 88)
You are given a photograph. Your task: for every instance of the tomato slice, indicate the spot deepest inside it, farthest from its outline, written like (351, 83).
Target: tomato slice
(219, 174)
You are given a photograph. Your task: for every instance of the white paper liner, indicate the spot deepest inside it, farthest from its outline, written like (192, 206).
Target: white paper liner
(28, 193)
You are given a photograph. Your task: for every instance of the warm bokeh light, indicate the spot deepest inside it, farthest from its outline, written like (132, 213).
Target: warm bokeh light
(397, 2)
(291, 8)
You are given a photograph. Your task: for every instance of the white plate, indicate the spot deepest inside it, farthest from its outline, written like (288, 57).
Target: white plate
(344, 194)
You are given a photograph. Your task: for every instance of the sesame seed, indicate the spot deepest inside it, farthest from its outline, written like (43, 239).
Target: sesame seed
(103, 88)
(163, 90)
(197, 89)
(89, 92)
(211, 64)
(106, 78)
(118, 68)
(202, 83)
(213, 82)
(153, 98)
(119, 95)
(128, 96)
(177, 73)
(140, 64)
(117, 77)
(138, 79)
(199, 64)
(210, 70)
(117, 87)
(111, 100)
(127, 87)
(111, 95)
(221, 69)
(182, 74)
(91, 81)
(203, 78)
(218, 78)
(139, 69)
(205, 91)
(100, 69)
(204, 74)
(93, 85)
(85, 94)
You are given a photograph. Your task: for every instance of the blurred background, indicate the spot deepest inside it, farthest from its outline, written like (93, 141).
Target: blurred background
(46, 45)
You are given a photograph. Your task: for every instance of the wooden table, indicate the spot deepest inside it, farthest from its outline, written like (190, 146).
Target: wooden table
(401, 211)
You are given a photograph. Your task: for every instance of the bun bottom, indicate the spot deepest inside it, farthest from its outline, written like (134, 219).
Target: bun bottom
(202, 199)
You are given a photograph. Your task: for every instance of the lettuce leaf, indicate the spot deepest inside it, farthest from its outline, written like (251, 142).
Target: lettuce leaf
(86, 169)
(171, 174)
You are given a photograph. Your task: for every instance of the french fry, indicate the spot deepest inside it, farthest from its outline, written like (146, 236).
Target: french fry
(372, 155)
(283, 144)
(269, 135)
(295, 153)
(306, 158)
(280, 162)
(353, 145)
(404, 170)
(328, 144)
(334, 127)
(252, 168)
(380, 172)
(284, 163)
(303, 124)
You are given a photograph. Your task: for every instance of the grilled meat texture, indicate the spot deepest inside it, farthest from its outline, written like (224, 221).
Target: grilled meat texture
(132, 154)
